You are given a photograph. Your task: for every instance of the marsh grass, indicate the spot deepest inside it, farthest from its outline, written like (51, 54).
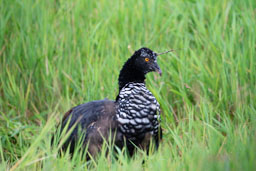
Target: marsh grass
(61, 53)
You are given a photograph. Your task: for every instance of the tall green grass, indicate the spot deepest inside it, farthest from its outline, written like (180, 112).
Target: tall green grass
(55, 54)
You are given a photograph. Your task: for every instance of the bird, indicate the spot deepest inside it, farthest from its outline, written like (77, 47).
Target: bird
(131, 120)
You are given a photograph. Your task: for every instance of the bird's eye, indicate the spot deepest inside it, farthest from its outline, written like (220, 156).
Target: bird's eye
(146, 59)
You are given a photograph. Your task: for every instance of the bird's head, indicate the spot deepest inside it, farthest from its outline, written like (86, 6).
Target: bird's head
(145, 60)
(138, 65)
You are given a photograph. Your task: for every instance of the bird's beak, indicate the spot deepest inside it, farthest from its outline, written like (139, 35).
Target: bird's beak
(157, 69)
(156, 66)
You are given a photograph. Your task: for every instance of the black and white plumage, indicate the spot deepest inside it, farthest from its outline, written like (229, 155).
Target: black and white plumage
(138, 114)
(138, 111)
(133, 119)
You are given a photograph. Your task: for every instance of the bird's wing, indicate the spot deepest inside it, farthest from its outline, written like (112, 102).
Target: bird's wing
(85, 115)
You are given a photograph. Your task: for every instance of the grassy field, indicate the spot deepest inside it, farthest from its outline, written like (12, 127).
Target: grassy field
(55, 54)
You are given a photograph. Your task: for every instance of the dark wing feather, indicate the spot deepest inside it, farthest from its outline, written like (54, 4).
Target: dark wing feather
(87, 115)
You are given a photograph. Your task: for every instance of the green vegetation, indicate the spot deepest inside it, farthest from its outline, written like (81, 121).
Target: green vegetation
(55, 54)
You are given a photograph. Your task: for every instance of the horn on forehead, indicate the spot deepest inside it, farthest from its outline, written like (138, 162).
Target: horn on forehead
(164, 52)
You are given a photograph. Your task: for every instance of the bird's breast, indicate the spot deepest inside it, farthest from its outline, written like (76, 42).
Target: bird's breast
(138, 111)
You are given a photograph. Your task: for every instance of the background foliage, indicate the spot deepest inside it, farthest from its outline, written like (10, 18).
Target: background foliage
(55, 54)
